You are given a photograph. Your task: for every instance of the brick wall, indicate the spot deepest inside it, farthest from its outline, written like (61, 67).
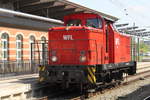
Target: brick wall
(26, 34)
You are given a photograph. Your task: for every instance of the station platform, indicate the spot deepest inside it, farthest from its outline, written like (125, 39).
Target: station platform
(143, 66)
(22, 87)
(19, 88)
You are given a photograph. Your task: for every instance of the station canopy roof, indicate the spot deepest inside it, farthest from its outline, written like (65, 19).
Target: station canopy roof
(55, 9)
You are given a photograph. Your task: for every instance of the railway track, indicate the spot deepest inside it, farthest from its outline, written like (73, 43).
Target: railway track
(75, 95)
(130, 79)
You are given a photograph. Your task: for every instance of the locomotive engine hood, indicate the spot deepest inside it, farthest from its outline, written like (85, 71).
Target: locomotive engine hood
(73, 45)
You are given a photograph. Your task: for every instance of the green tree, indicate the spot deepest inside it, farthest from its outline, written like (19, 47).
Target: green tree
(144, 47)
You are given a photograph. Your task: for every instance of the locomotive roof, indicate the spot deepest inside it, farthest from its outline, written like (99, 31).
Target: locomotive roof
(56, 9)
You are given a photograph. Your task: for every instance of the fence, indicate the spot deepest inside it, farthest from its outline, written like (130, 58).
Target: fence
(15, 68)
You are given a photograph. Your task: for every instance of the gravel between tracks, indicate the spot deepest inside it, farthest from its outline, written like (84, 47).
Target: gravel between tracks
(134, 91)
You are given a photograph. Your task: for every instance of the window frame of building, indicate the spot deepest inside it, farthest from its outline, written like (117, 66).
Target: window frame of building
(5, 46)
(32, 40)
(19, 47)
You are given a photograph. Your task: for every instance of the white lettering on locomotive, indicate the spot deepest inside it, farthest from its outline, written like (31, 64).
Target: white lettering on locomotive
(117, 41)
(67, 37)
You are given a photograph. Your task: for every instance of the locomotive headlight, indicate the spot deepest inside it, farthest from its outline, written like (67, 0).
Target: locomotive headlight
(54, 58)
(82, 58)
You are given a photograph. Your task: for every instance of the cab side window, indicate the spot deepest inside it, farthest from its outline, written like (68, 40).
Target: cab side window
(74, 22)
(94, 22)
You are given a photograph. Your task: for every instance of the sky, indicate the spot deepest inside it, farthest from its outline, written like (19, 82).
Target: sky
(128, 11)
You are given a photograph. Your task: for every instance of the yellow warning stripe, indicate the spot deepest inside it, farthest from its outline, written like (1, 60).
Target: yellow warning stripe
(93, 69)
(41, 68)
(41, 79)
(90, 79)
(91, 74)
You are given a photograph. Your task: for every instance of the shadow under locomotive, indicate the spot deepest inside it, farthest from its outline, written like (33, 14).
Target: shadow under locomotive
(86, 77)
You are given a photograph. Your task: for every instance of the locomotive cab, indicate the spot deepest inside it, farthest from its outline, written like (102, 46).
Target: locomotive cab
(88, 20)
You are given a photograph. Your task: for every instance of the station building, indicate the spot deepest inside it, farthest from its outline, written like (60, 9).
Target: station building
(18, 33)
(24, 21)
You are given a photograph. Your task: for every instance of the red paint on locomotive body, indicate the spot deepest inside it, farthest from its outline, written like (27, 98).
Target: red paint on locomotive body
(101, 45)
(71, 44)
(86, 51)
(119, 47)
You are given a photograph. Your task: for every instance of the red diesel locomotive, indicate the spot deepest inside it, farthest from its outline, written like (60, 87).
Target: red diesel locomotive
(87, 51)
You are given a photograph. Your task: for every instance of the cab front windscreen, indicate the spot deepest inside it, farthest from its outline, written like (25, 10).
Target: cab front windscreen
(74, 22)
(94, 22)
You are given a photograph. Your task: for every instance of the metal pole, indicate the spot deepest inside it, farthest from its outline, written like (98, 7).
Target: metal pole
(43, 53)
(134, 44)
(31, 52)
(138, 49)
(131, 48)
(31, 65)
(134, 49)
